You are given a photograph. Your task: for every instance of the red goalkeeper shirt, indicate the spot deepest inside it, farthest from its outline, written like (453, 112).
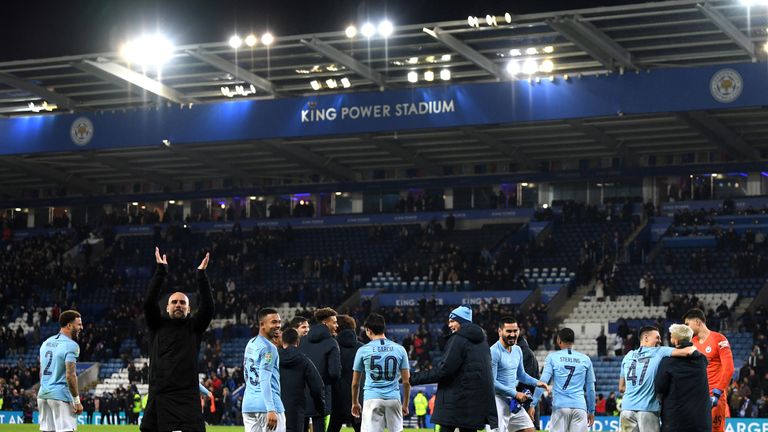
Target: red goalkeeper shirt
(717, 350)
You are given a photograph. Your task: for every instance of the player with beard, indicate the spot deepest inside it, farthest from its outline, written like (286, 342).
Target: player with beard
(58, 399)
(508, 369)
(263, 408)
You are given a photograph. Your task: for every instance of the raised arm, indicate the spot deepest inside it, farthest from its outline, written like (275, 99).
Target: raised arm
(205, 313)
(151, 310)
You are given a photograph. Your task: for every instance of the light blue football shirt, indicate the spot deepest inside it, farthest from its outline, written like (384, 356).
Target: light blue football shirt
(261, 371)
(639, 370)
(508, 369)
(55, 352)
(574, 377)
(381, 360)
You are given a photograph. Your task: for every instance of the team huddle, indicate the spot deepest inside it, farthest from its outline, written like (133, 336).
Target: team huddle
(665, 388)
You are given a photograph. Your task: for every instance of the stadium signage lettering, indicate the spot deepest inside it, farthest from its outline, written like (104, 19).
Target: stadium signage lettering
(357, 112)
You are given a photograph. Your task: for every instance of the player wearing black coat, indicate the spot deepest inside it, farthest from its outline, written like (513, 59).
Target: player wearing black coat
(323, 351)
(342, 397)
(296, 373)
(681, 383)
(465, 396)
(174, 401)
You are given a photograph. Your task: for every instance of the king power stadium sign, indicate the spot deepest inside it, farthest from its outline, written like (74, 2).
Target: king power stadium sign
(318, 114)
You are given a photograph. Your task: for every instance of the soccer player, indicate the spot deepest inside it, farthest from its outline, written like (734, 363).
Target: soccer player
(573, 402)
(508, 369)
(717, 350)
(58, 399)
(262, 406)
(640, 408)
(301, 324)
(384, 363)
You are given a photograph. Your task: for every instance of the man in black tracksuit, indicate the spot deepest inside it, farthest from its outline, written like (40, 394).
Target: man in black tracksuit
(465, 395)
(173, 403)
(320, 346)
(296, 373)
(342, 397)
(682, 386)
(531, 366)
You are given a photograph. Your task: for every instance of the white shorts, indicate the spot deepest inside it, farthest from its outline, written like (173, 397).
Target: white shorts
(382, 413)
(639, 421)
(509, 421)
(56, 415)
(257, 422)
(568, 420)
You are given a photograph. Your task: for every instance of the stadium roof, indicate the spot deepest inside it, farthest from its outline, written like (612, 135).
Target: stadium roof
(616, 40)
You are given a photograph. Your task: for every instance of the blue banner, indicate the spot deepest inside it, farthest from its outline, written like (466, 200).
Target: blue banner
(731, 424)
(661, 90)
(548, 292)
(522, 214)
(453, 298)
(659, 227)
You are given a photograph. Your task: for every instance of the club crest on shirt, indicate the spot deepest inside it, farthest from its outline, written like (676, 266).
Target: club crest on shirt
(708, 350)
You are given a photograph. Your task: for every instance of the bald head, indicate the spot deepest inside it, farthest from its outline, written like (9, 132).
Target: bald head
(178, 305)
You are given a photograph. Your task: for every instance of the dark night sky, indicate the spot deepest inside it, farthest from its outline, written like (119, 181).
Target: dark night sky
(49, 28)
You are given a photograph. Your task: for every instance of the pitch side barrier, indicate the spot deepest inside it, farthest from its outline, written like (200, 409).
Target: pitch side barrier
(664, 90)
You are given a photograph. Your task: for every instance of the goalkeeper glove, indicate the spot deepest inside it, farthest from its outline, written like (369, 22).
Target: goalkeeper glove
(715, 397)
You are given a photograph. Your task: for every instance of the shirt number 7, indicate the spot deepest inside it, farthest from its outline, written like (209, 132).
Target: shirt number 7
(571, 370)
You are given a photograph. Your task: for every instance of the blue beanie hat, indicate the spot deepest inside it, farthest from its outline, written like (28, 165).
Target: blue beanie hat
(462, 314)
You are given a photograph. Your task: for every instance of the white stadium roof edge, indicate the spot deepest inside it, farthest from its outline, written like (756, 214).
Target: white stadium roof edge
(606, 40)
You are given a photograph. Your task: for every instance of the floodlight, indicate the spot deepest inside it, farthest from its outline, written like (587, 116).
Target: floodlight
(149, 50)
(513, 67)
(530, 66)
(547, 66)
(386, 29)
(368, 30)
